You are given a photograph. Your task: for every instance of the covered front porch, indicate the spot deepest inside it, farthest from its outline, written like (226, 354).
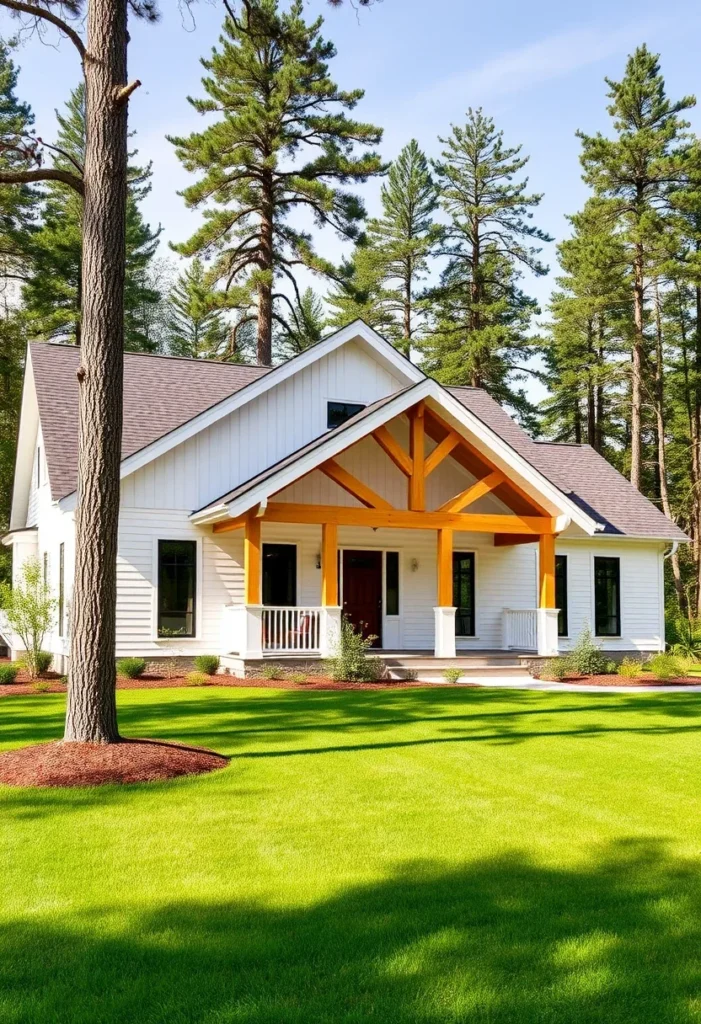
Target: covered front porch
(464, 560)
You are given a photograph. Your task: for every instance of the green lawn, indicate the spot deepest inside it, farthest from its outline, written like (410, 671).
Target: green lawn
(416, 856)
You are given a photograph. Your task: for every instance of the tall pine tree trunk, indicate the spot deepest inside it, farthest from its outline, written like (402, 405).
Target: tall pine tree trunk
(91, 713)
(407, 310)
(636, 442)
(696, 450)
(475, 299)
(265, 284)
(599, 434)
(591, 399)
(661, 455)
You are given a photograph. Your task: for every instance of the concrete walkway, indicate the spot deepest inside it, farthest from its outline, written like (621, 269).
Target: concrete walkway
(541, 684)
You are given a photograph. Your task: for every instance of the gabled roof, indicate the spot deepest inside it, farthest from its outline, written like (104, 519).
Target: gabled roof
(160, 394)
(168, 400)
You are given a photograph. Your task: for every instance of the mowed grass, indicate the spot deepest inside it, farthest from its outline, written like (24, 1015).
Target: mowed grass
(417, 856)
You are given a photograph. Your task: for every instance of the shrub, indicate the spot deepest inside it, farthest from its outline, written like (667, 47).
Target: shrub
(131, 668)
(350, 661)
(271, 672)
(452, 675)
(684, 636)
(664, 666)
(198, 679)
(555, 669)
(208, 663)
(8, 673)
(629, 668)
(43, 661)
(29, 609)
(41, 686)
(298, 677)
(586, 656)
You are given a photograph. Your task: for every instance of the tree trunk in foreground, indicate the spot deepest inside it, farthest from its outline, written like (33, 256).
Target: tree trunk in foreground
(91, 714)
(636, 403)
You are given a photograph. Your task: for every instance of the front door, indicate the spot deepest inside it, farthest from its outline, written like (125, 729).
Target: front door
(362, 592)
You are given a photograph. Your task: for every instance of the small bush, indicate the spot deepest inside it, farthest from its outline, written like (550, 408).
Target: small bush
(586, 657)
(298, 677)
(350, 661)
(63, 681)
(664, 666)
(629, 668)
(208, 663)
(410, 675)
(8, 673)
(684, 636)
(41, 686)
(452, 675)
(131, 668)
(43, 661)
(271, 672)
(555, 669)
(198, 679)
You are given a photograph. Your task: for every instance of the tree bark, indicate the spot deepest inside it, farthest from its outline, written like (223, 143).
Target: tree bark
(91, 714)
(591, 402)
(599, 433)
(636, 444)
(265, 284)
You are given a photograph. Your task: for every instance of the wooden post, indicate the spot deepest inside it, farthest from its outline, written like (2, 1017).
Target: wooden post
(251, 560)
(546, 571)
(445, 568)
(329, 564)
(417, 480)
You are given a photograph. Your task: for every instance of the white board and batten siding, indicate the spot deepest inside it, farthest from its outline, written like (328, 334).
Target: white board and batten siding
(258, 434)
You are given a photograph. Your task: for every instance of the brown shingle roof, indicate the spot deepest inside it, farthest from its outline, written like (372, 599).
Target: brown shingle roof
(160, 394)
(580, 473)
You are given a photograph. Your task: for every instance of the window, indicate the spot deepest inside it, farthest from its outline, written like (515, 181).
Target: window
(464, 592)
(177, 575)
(338, 412)
(561, 593)
(392, 583)
(38, 467)
(280, 574)
(607, 596)
(61, 592)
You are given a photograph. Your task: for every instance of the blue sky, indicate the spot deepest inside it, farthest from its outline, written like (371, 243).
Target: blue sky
(538, 69)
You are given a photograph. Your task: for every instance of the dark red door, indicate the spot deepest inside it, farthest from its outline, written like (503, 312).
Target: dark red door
(362, 592)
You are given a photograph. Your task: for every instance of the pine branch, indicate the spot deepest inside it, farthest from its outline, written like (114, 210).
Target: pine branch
(43, 14)
(42, 174)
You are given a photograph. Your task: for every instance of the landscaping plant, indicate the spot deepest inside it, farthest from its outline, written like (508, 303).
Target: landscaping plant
(629, 668)
(8, 673)
(271, 672)
(131, 668)
(29, 609)
(555, 669)
(350, 661)
(207, 663)
(586, 657)
(452, 675)
(198, 679)
(298, 677)
(664, 666)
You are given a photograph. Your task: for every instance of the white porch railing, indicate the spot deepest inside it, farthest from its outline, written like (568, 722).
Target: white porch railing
(520, 627)
(291, 630)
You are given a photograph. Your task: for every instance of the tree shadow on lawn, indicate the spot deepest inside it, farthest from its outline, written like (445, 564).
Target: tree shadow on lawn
(504, 941)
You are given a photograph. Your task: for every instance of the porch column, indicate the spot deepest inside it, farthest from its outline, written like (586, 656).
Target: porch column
(251, 627)
(445, 611)
(547, 612)
(330, 624)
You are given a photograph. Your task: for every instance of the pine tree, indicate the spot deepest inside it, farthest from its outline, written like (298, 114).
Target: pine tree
(481, 315)
(307, 320)
(276, 108)
(400, 242)
(196, 323)
(53, 293)
(18, 204)
(590, 331)
(638, 173)
(359, 295)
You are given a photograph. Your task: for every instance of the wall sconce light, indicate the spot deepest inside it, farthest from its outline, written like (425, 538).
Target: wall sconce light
(414, 564)
(318, 560)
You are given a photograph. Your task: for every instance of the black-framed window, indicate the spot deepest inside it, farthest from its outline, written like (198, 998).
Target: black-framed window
(280, 574)
(561, 594)
(464, 592)
(338, 412)
(607, 596)
(392, 583)
(177, 587)
(61, 588)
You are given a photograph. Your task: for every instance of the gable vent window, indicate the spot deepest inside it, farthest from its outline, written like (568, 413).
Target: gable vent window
(338, 412)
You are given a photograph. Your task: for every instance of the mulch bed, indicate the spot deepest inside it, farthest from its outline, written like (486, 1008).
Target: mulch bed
(97, 764)
(613, 680)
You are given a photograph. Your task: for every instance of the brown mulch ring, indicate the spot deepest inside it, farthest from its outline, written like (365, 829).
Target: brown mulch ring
(614, 680)
(98, 764)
